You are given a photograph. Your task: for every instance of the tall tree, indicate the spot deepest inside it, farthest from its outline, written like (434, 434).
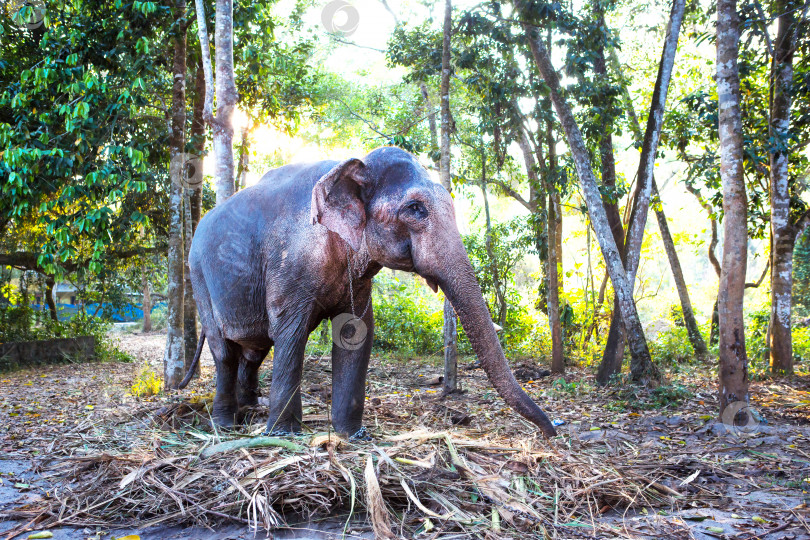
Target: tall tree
(733, 384)
(147, 300)
(783, 233)
(174, 356)
(222, 123)
(554, 238)
(193, 202)
(613, 354)
(450, 324)
(645, 370)
(695, 337)
(643, 192)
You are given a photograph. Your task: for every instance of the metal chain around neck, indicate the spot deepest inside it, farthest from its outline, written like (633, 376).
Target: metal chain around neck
(351, 288)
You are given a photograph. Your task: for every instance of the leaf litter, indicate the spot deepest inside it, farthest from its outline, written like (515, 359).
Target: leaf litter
(627, 463)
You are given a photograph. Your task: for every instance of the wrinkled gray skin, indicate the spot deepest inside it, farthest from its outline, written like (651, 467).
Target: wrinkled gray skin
(269, 264)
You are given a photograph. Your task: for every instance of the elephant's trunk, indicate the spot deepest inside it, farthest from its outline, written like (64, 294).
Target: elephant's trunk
(461, 287)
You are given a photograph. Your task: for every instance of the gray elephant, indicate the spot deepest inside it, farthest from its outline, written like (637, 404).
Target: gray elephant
(302, 245)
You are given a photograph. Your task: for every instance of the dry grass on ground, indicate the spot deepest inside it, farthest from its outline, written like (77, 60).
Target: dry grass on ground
(628, 463)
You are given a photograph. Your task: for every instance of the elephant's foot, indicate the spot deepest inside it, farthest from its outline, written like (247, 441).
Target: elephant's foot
(283, 427)
(248, 397)
(225, 415)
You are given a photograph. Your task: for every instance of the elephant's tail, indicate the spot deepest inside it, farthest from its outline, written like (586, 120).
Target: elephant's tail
(193, 367)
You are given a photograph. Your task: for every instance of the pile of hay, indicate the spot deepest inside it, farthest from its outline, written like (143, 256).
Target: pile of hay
(401, 484)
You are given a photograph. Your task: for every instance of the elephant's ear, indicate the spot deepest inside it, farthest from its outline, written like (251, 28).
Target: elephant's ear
(336, 201)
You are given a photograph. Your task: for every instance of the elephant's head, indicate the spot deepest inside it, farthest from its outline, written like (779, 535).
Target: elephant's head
(409, 223)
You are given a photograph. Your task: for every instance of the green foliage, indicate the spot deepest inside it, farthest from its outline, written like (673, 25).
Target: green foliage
(20, 322)
(667, 396)
(801, 276)
(756, 345)
(672, 346)
(76, 135)
(494, 261)
(407, 318)
(801, 349)
(573, 388)
(419, 49)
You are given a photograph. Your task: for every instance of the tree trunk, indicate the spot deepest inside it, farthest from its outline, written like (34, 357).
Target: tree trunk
(641, 199)
(649, 146)
(450, 322)
(189, 307)
(226, 102)
(173, 359)
(147, 301)
(244, 159)
(714, 327)
(614, 345)
(49, 285)
(783, 236)
(593, 199)
(537, 205)
(493, 264)
(557, 356)
(222, 124)
(695, 337)
(431, 112)
(198, 143)
(733, 369)
(191, 216)
(554, 244)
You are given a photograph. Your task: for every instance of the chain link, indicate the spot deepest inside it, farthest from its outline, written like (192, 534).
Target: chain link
(351, 288)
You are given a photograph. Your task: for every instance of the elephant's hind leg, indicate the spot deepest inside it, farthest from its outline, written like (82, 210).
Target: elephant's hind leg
(226, 356)
(247, 391)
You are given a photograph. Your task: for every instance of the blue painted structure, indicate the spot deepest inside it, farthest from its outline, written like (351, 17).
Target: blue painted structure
(129, 313)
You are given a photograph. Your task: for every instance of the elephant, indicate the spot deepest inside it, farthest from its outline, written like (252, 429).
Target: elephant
(274, 260)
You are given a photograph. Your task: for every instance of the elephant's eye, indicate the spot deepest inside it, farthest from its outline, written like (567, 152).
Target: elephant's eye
(415, 209)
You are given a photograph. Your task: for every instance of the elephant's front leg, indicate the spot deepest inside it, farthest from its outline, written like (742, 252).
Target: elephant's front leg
(351, 348)
(285, 391)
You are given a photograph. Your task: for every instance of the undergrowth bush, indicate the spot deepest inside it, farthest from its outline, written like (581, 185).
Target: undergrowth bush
(672, 346)
(407, 318)
(147, 383)
(801, 349)
(631, 396)
(20, 322)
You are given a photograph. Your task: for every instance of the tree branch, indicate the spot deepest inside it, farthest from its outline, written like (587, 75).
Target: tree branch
(511, 192)
(761, 278)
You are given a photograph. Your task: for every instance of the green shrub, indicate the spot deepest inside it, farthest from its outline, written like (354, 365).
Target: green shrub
(20, 322)
(159, 318)
(407, 316)
(672, 346)
(632, 396)
(801, 349)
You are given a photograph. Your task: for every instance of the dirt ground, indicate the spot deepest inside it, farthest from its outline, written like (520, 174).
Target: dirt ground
(710, 480)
